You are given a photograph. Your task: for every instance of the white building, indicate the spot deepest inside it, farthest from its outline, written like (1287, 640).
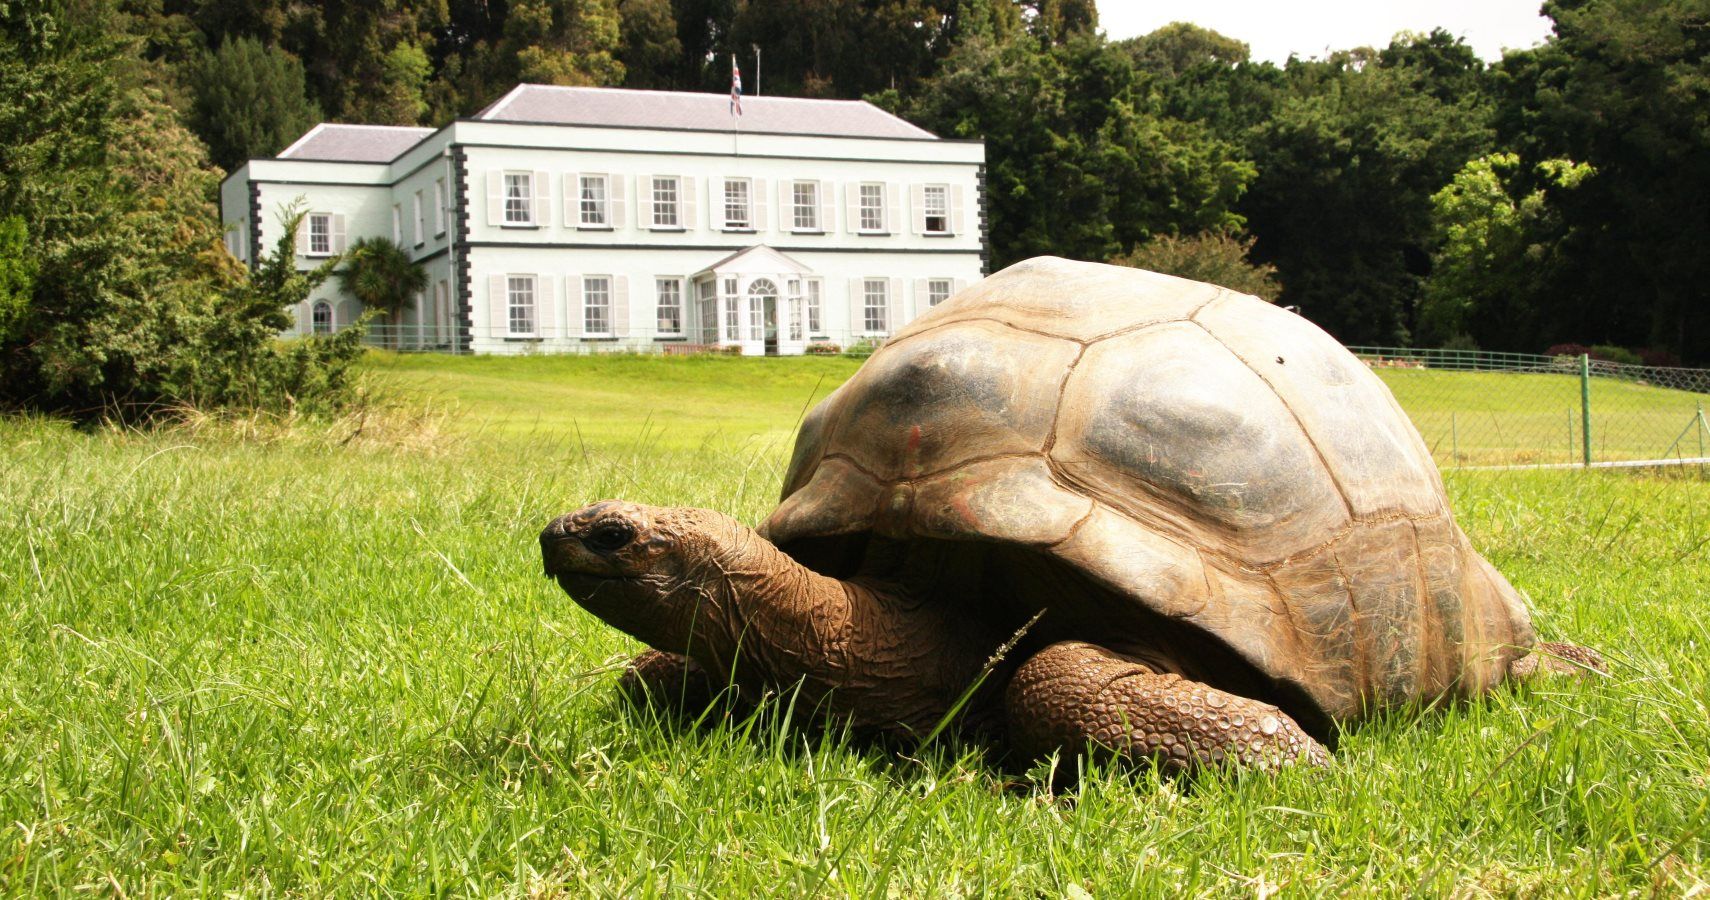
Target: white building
(577, 219)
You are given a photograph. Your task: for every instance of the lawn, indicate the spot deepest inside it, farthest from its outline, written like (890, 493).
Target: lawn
(310, 666)
(1506, 418)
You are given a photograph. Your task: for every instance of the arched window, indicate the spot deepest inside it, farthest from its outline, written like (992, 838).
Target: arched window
(321, 319)
(760, 290)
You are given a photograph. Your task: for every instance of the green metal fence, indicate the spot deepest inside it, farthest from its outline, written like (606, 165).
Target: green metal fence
(1491, 410)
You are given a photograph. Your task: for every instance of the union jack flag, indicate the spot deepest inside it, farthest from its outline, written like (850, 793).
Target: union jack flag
(735, 87)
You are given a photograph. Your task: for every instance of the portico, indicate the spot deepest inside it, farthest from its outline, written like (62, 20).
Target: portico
(761, 300)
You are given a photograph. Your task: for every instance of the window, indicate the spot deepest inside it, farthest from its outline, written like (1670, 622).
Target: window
(736, 203)
(441, 308)
(519, 198)
(439, 207)
(813, 306)
(519, 298)
(397, 225)
(937, 291)
(665, 202)
(759, 291)
(592, 192)
(670, 306)
(321, 318)
(872, 207)
(732, 312)
(709, 311)
(597, 305)
(320, 234)
(794, 287)
(875, 293)
(937, 207)
(805, 195)
(421, 222)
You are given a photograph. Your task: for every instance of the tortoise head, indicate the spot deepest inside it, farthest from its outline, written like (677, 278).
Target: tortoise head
(629, 564)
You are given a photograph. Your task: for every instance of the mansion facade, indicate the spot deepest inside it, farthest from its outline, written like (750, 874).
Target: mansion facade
(582, 219)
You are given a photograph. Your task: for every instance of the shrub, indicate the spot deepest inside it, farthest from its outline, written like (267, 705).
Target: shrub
(1614, 354)
(119, 300)
(863, 348)
(1659, 357)
(823, 348)
(1214, 257)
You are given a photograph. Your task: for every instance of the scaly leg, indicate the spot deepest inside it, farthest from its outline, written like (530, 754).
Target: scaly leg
(668, 681)
(1553, 658)
(1071, 695)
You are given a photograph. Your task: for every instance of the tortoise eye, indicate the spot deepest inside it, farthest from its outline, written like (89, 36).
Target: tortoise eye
(609, 535)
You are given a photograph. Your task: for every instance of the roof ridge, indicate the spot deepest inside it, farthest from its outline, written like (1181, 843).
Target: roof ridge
(624, 90)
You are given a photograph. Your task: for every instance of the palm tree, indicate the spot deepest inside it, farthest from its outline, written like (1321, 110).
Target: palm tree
(380, 274)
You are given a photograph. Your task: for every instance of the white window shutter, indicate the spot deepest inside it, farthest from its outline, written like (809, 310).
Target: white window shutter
(572, 199)
(338, 233)
(893, 208)
(857, 310)
(759, 189)
(852, 206)
(917, 208)
(498, 307)
(620, 305)
(574, 320)
(922, 296)
(303, 236)
(545, 306)
(894, 319)
(956, 209)
(958, 286)
(495, 198)
(619, 200)
(542, 198)
(644, 201)
(687, 195)
(827, 208)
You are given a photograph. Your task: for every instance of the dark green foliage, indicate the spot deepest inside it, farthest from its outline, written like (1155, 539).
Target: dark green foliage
(133, 304)
(1078, 162)
(1214, 257)
(249, 101)
(17, 275)
(1623, 87)
(1348, 162)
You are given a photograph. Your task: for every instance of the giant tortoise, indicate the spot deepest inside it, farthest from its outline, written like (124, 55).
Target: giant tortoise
(1081, 506)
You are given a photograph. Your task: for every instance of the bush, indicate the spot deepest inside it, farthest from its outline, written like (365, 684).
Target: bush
(1659, 357)
(117, 298)
(1614, 354)
(863, 348)
(823, 348)
(1214, 257)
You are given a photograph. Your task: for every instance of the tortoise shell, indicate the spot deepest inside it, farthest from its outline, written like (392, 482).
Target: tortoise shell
(1150, 458)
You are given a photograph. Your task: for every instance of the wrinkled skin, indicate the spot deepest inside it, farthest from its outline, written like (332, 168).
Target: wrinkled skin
(721, 605)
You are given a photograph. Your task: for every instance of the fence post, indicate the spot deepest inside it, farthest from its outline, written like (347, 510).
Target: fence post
(1585, 407)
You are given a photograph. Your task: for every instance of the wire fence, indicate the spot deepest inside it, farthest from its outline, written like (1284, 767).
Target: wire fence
(1479, 409)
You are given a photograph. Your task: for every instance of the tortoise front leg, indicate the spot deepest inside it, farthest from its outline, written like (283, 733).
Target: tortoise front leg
(668, 681)
(1553, 658)
(1071, 695)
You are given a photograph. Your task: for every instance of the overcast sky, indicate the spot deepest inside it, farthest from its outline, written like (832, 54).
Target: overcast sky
(1275, 28)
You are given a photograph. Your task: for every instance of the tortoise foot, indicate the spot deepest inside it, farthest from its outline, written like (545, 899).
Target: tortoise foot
(1554, 658)
(668, 682)
(1074, 696)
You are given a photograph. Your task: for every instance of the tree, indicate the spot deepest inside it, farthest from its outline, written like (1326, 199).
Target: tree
(134, 304)
(1623, 87)
(1493, 238)
(380, 275)
(651, 52)
(1078, 162)
(1348, 162)
(1214, 257)
(249, 100)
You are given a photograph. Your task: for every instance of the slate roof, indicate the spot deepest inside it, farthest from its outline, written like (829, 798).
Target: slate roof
(701, 112)
(355, 143)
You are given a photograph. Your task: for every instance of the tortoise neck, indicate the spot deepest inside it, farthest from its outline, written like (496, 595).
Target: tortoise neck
(868, 648)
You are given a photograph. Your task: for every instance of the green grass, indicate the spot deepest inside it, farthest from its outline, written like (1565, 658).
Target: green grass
(300, 667)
